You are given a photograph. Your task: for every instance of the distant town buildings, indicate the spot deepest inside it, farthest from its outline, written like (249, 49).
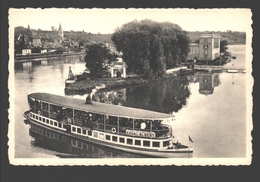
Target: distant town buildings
(41, 40)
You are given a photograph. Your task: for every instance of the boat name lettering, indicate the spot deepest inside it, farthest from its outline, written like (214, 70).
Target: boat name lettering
(140, 133)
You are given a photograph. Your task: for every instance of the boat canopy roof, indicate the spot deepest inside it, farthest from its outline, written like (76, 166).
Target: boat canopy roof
(100, 108)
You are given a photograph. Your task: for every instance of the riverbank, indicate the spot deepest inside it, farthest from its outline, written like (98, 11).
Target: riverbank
(85, 86)
(25, 58)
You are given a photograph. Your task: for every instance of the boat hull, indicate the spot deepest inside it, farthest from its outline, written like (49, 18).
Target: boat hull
(160, 153)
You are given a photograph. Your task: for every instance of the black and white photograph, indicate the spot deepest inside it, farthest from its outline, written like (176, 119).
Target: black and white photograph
(130, 86)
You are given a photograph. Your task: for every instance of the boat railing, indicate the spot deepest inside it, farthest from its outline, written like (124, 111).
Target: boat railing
(122, 130)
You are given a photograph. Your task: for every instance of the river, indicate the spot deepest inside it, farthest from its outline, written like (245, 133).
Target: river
(210, 108)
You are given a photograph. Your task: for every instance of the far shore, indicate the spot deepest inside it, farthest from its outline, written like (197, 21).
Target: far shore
(31, 57)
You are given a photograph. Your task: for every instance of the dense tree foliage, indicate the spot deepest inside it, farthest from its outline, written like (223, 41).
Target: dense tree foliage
(166, 96)
(22, 37)
(97, 58)
(149, 47)
(223, 46)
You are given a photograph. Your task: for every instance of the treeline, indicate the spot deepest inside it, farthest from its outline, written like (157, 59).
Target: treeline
(232, 37)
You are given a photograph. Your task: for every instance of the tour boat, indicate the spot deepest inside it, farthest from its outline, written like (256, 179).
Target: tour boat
(123, 128)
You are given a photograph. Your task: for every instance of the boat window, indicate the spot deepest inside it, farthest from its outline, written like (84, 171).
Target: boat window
(95, 134)
(130, 125)
(107, 137)
(165, 143)
(45, 106)
(146, 143)
(74, 129)
(101, 136)
(78, 117)
(38, 105)
(141, 124)
(33, 116)
(156, 144)
(59, 125)
(55, 112)
(74, 142)
(47, 121)
(137, 142)
(121, 140)
(51, 122)
(45, 109)
(79, 130)
(98, 118)
(124, 122)
(80, 144)
(84, 132)
(43, 120)
(40, 118)
(31, 104)
(55, 124)
(89, 133)
(112, 120)
(129, 141)
(145, 124)
(64, 126)
(36, 117)
(114, 138)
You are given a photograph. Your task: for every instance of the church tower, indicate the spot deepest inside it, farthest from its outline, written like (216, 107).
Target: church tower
(28, 27)
(60, 32)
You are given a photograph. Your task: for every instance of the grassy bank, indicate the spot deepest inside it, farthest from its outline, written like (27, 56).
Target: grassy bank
(85, 86)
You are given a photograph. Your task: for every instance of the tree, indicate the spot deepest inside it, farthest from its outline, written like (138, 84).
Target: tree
(22, 37)
(149, 48)
(223, 46)
(97, 58)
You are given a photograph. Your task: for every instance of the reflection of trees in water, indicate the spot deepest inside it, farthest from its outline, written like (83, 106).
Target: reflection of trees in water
(164, 96)
(116, 97)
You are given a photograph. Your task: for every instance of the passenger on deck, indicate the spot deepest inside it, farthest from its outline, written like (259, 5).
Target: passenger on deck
(170, 145)
(143, 126)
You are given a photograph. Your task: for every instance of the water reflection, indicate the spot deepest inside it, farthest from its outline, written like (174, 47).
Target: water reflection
(166, 96)
(69, 147)
(207, 82)
(29, 64)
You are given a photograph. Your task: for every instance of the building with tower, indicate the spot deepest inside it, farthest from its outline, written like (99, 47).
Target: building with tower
(60, 32)
(208, 48)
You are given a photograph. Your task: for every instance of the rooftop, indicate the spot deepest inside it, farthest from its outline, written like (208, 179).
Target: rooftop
(101, 108)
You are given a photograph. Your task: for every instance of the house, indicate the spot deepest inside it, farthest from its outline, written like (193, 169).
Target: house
(43, 51)
(208, 48)
(26, 51)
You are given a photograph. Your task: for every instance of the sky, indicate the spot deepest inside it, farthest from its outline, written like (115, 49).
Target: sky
(105, 21)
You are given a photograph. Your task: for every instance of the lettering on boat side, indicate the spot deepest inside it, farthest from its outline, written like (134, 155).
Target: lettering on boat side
(140, 133)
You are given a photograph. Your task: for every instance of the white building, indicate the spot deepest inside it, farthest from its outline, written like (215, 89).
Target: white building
(26, 51)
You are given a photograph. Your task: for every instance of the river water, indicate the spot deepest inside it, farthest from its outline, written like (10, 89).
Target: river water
(210, 108)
